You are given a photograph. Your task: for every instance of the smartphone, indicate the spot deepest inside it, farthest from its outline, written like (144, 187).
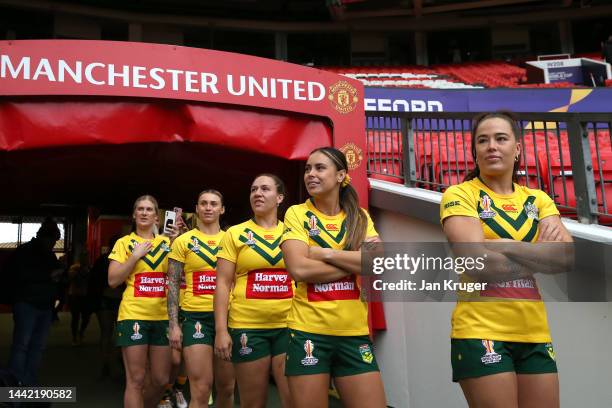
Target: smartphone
(169, 221)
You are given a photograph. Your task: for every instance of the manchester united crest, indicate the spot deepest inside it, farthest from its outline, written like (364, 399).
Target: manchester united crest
(353, 154)
(343, 97)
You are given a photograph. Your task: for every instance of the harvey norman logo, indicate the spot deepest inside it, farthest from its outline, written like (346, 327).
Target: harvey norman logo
(102, 74)
(402, 105)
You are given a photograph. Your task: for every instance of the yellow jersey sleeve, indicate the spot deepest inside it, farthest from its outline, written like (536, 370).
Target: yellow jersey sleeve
(120, 251)
(293, 228)
(179, 248)
(457, 200)
(546, 206)
(227, 247)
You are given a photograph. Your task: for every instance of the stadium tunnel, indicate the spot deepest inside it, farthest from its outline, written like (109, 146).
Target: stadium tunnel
(170, 149)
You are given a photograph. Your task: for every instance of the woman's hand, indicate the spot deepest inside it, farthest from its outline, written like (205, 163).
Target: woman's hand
(174, 231)
(223, 345)
(175, 336)
(141, 249)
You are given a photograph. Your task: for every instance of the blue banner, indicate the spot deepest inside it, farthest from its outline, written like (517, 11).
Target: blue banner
(482, 100)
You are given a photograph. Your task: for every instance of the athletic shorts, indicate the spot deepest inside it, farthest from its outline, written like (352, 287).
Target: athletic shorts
(253, 344)
(339, 356)
(139, 332)
(472, 358)
(198, 328)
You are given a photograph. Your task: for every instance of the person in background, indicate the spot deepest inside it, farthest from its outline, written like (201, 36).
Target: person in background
(80, 310)
(104, 302)
(35, 273)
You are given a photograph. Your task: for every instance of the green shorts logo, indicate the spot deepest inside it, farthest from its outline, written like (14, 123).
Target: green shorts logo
(244, 349)
(136, 335)
(551, 351)
(309, 360)
(366, 353)
(490, 356)
(198, 331)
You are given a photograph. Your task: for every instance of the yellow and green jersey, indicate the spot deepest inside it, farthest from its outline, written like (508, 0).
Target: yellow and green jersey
(504, 311)
(144, 297)
(198, 254)
(333, 308)
(263, 289)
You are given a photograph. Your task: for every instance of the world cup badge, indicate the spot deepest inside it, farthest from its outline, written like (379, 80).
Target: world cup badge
(366, 353)
(244, 349)
(486, 204)
(314, 229)
(250, 239)
(490, 356)
(195, 245)
(198, 331)
(136, 335)
(309, 360)
(532, 211)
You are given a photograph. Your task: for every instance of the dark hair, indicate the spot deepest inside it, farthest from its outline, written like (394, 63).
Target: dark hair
(481, 117)
(211, 191)
(280, 185)
(142, 198)
(356, 219)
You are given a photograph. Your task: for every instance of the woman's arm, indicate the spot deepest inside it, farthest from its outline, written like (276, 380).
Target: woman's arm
(225, 277)
(304, 269)
(175, 270)
(119, 272)
(463, 230)
(545, 256)
(349, 261)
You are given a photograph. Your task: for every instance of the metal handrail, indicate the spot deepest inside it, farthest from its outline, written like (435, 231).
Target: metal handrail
(428, 150)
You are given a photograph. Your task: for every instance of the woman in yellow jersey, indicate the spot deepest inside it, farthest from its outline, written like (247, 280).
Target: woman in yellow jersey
(328, 322)
(141, 261)
(250, 257)
(194, 256)
(501, 348)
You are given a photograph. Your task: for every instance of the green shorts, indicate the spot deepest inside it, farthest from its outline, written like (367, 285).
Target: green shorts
(139, 332)
(339, 356)
(253, 344)
(472, 358)
(198, 328)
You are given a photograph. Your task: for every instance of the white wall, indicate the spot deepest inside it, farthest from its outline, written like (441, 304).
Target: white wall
(414, 351)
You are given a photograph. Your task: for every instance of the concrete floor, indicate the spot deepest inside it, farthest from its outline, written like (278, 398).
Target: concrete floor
(80, 366)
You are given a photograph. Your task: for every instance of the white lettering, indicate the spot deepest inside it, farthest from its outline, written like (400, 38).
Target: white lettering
(311, 91)
(125, 74)
(209, 80)
(76, 75)
(137, 76)
(44, 68)
(24, 64)
(175, 74)
(89, 76)
(298, 90)
(261, 88)
(190, 80)
(230, 85)
(158, 79)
